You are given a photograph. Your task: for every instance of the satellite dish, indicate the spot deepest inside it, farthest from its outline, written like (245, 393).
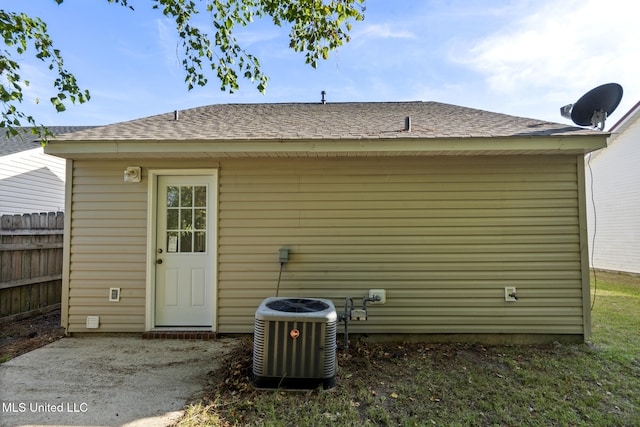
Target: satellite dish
(593, 108)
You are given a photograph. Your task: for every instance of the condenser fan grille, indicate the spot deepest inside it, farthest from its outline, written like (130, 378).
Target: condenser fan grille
(297, 305)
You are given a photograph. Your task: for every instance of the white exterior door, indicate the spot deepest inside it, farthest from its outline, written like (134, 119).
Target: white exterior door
(185, 251)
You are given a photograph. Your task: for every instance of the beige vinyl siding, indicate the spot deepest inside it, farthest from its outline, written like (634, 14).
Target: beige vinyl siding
(443, 236)
(108, 248)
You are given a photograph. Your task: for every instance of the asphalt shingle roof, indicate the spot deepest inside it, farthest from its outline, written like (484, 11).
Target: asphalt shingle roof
(304, 121)
(25, 140)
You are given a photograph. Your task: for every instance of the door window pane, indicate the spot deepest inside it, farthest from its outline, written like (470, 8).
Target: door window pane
(173, 199)
(186, 196)
(200, 242)
(186, 219)
(200, 222)
(172, 219)
(200, 197)
(172, 241)
(186, 241)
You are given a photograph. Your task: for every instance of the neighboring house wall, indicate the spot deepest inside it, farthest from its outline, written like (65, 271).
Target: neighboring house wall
(31, 181)
(615, 200)
(443, 235)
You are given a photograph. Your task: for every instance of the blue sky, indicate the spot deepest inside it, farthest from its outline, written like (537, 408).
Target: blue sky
(520, 57)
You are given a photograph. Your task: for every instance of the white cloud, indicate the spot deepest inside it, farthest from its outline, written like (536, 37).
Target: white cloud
(380, 31)
(250, 37)
(555, 51)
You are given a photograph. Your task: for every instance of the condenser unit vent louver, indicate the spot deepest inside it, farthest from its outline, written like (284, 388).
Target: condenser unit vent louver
(295, 343)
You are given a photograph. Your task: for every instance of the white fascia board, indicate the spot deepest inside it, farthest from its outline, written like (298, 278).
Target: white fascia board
(461, 146)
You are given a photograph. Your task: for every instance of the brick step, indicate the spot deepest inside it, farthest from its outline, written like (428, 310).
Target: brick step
(179, 335)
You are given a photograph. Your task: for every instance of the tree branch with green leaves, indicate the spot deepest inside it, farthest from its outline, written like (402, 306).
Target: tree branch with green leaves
(19, 31)
(316, 28)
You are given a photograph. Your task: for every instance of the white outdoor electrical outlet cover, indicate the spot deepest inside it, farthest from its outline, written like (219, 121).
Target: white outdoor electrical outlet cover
(508, 291)
(378, 292)
(114, 294)
(93, 322)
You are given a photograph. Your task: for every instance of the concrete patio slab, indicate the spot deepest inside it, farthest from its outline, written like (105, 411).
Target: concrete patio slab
(106, 381)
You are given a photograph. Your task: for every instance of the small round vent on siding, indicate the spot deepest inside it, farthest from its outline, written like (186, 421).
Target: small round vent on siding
(297, 305)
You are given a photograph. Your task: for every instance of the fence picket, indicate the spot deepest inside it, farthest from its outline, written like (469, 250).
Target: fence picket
(30, 262)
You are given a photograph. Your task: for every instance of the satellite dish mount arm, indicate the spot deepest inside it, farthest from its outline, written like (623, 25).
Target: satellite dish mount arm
(598, 119)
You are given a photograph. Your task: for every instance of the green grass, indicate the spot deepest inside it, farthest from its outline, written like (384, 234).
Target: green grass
(591, 384)
(616, 316)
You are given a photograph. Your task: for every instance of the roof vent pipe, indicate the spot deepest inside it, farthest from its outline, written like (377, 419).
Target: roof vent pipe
(407, 124)
(175, 115)
(323, 93)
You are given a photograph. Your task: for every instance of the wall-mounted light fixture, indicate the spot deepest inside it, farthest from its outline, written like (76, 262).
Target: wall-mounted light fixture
(132, 174)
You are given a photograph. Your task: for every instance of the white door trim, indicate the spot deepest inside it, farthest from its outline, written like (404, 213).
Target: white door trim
(152, 202)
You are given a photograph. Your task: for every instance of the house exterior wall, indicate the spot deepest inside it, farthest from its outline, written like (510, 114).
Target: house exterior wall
(107, 248)
(31, 181)
(442, 235)
(614, 202)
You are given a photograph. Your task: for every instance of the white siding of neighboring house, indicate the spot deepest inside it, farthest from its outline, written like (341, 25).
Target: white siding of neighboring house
(616, 197)
(31, 181)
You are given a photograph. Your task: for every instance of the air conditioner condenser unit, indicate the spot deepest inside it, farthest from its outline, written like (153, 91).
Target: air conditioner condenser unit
(295, 343)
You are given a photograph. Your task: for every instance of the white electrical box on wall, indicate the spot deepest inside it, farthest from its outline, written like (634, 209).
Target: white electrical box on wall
(93, 322)
(379, 294)
(114, 294)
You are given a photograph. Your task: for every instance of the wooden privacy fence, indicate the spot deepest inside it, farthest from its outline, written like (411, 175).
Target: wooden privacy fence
(30, 263)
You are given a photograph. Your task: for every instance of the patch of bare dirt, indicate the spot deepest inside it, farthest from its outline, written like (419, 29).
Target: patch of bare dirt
(616, 277)
(385, 361)
(23, 336)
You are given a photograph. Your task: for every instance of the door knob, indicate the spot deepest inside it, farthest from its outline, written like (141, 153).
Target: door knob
(159, 250)
(158, 261)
